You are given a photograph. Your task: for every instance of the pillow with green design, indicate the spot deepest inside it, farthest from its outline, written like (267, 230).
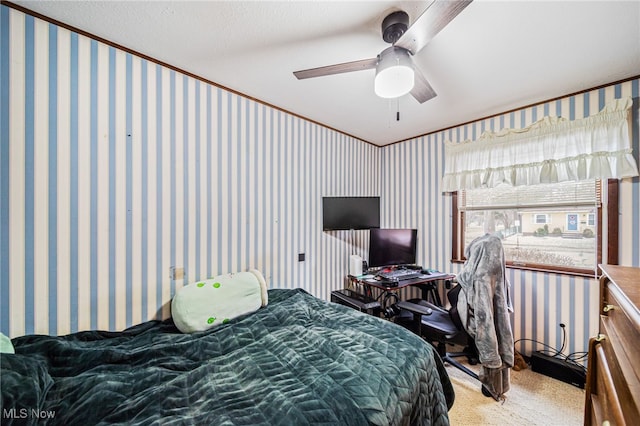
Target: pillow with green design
(6, 347)
(214, 301)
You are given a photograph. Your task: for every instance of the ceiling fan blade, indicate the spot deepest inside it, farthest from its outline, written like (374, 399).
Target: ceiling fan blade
(363, 64)
(431, 22)
(422, 90)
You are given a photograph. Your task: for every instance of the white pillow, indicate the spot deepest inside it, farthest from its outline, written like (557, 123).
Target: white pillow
(214, 301)
(6, 347)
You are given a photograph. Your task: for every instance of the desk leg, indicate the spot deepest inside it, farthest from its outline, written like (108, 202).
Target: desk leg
(430, 293)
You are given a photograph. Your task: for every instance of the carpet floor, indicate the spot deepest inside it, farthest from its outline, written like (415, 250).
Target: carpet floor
(534, 399)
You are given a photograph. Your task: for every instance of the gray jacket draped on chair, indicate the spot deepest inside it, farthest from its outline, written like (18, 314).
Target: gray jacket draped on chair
(485, 307)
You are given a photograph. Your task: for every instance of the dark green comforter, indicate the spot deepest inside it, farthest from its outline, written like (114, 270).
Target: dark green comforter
(300, 360)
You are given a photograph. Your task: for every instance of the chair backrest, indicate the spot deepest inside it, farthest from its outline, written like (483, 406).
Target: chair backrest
(453, 295)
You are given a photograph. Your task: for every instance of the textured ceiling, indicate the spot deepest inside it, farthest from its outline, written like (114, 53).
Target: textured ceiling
(495, 56)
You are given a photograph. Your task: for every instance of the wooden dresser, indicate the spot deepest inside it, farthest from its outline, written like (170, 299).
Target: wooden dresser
(613, 373)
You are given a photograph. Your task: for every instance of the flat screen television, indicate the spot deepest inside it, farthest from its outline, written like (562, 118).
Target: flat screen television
(392, 247)
(339, 213)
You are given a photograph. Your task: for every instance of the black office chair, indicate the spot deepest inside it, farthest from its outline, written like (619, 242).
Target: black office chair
(485, 289)
(441, 327)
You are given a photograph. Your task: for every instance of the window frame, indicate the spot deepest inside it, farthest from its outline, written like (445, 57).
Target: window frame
(612, 225)
(546, 219)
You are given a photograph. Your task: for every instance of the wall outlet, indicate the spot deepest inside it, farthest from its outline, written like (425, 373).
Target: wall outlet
(176, 273)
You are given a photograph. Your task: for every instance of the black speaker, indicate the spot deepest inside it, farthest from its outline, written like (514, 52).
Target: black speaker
(558, 368)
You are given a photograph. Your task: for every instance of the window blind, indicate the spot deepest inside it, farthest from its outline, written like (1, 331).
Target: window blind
(542, 196)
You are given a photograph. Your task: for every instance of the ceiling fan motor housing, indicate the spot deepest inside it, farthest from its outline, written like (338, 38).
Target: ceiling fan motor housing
(394, 25)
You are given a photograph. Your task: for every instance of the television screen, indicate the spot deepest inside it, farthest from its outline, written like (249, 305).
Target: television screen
(340, 213)
(389, 247)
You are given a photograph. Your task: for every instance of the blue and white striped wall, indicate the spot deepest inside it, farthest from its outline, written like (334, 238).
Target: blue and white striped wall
(412, 172)
(114, 169)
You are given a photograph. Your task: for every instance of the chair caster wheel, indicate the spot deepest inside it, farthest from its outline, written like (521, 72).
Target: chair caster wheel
(486, 392)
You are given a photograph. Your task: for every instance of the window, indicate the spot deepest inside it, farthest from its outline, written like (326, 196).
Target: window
(550, 227)
(541, 218)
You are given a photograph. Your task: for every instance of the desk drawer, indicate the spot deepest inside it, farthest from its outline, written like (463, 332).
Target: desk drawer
(618, 372)
(613, 373)
(622, 327)
(605, 401)
(617, 389)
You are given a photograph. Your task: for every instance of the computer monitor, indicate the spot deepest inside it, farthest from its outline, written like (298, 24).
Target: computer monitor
(392, 247)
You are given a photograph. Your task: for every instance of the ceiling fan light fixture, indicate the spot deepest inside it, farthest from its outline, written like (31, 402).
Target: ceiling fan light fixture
(394, 73)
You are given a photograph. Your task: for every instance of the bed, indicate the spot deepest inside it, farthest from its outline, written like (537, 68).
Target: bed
(299, 360)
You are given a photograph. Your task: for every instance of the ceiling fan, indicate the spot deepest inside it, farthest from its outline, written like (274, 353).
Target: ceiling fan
(396, 74)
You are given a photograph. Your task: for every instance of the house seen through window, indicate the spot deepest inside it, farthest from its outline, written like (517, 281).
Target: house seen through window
(547, 227)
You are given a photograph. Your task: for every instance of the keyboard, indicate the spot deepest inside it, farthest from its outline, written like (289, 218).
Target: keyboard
(399, 274)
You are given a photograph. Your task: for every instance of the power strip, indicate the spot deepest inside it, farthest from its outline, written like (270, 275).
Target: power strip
(558, 368)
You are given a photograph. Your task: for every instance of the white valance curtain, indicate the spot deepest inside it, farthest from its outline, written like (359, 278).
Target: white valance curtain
(553, 149)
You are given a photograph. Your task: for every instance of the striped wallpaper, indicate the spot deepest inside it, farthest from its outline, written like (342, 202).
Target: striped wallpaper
(411, 176)
(113, 169)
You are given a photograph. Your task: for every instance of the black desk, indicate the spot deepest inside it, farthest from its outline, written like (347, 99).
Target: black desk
(426, 283)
